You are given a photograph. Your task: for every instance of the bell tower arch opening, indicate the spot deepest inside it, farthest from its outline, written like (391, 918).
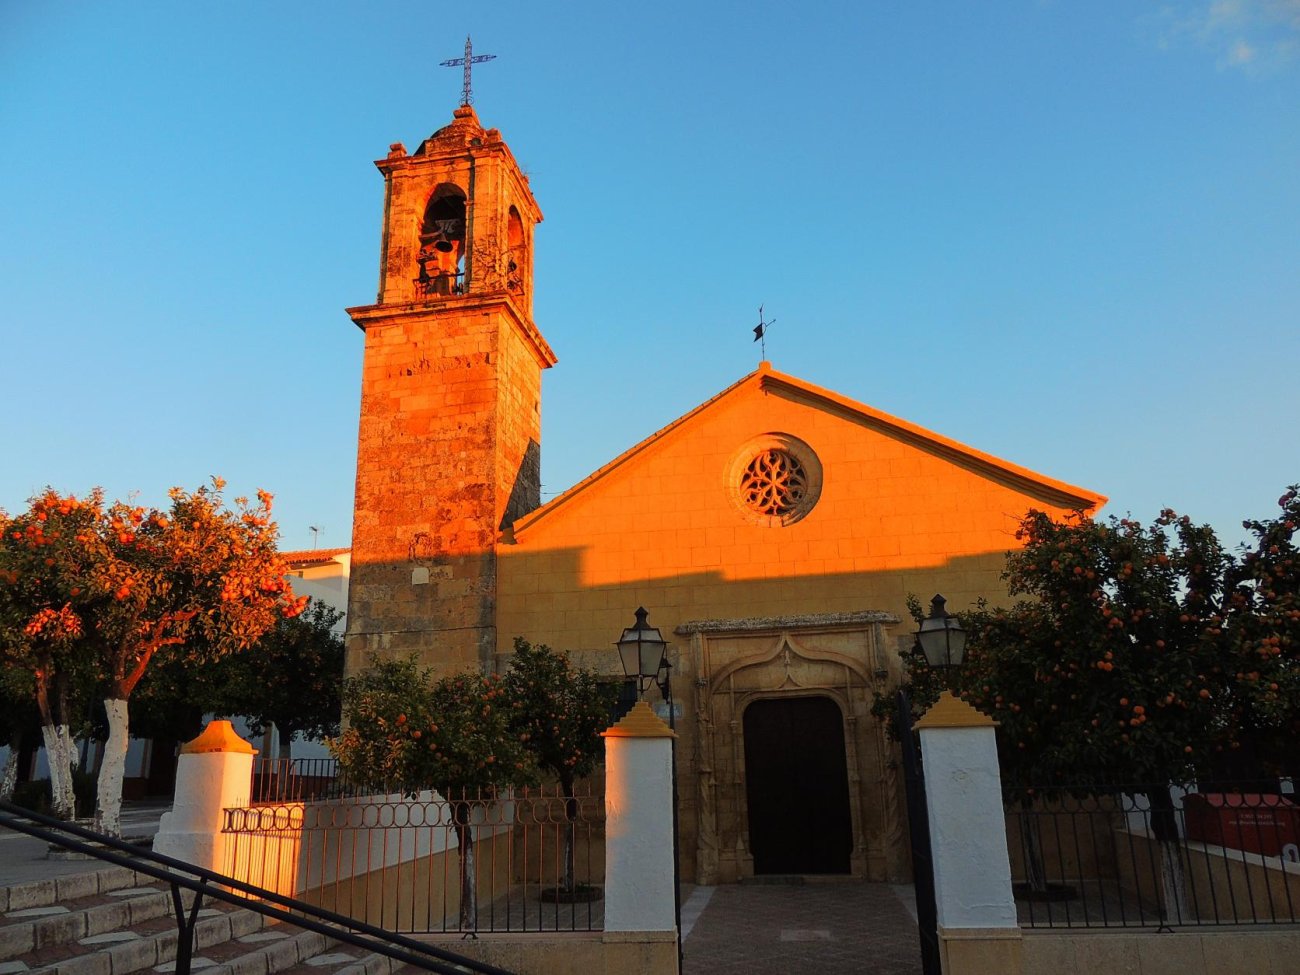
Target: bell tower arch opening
(441, 257)
(518, 266)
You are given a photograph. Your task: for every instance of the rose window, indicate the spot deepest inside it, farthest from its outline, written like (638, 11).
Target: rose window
(774, 483)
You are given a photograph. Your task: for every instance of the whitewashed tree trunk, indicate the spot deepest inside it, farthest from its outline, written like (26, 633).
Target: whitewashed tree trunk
(569, 880)
(9, 778)
(112, 769)
(1173, 884)
(58, 753)
(468, 869)
(285, 752)
(1035, 874)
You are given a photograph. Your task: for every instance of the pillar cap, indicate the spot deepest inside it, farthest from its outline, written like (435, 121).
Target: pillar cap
(218, 736)
(949, 712)
(640, 722)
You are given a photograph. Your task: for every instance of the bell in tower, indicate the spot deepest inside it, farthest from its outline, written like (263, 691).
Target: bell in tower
(448, 452)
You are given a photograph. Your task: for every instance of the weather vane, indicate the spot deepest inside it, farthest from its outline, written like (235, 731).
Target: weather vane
(466, 96)
(760, 332)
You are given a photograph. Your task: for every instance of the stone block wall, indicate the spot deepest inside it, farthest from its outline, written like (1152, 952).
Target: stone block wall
(662, 527)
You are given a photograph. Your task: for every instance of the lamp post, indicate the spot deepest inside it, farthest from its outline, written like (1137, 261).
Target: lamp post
(644, 655)
(943, 641)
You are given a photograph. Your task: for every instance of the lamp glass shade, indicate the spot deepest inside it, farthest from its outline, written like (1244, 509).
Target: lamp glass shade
(641, 648)
(942, 639)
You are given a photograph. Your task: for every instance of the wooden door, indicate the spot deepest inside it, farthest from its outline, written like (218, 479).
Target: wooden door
(797, 786)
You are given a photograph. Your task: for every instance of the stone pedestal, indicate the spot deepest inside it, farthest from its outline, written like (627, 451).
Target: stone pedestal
(639, 872)
(977, 925)
(214, 772)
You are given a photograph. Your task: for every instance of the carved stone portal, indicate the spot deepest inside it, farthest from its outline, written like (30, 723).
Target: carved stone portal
(839, 657)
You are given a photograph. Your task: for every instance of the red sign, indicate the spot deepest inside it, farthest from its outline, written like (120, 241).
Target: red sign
(1249, 821)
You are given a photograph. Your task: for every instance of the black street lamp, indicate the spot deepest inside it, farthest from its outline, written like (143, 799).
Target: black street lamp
(942, 639)
(644, 654)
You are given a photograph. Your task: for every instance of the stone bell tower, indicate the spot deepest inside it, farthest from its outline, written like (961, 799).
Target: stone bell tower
(448, 453)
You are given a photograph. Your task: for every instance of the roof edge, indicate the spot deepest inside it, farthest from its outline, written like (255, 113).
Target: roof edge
(1068, 495)
(521, 524)
(1073, 495)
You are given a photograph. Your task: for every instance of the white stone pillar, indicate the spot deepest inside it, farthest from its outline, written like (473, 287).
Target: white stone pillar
(214, 771)
(639, 853)
(977, 924)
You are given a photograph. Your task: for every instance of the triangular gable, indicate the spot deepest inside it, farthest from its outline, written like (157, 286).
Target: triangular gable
(766, 378)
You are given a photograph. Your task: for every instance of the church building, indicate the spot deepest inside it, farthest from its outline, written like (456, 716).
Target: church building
(773, 533)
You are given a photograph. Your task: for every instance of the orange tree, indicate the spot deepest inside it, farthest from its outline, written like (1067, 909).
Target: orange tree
(120, 584)
(46, 563)
(1143, 655)
(1261, 634)
(558, 713)
(407, 733)
(291, 678)
(1109, 673)
(177, 691)
(1139, 656)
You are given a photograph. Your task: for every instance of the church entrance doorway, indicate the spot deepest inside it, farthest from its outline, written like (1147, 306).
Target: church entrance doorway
(797, 786)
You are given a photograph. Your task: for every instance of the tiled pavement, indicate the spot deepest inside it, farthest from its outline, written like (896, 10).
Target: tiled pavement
(815, 928)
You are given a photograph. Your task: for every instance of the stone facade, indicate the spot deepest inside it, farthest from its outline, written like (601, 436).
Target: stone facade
(761, 607)
(449, 444)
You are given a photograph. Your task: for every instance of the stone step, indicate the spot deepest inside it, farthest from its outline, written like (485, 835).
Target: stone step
(374, 965)
(144, 945)
(59, 890)
(304, 952)
(34, 928)
(117, 922)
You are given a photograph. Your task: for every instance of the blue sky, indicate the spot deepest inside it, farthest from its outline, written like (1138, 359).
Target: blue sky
(1065, 233)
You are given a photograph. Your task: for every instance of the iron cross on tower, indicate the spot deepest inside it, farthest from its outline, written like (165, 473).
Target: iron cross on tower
(466, 96)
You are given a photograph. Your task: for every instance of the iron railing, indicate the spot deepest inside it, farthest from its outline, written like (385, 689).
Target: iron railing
(298, 780)
(536, 858)
(1159, 857)
(202, 883)
(440, 284)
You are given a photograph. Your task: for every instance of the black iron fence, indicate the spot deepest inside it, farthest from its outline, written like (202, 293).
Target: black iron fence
(528, 860)
(278, 780)
(1112, 856)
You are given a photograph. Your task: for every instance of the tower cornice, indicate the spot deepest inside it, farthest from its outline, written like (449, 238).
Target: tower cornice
(369, 317)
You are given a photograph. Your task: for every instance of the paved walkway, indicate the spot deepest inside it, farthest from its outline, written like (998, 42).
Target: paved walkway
(23, 858)
(840, 928)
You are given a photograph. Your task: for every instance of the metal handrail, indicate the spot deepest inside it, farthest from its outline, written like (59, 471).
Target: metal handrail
(319, 920)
